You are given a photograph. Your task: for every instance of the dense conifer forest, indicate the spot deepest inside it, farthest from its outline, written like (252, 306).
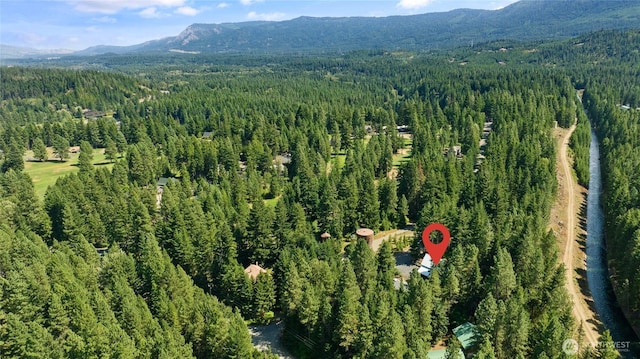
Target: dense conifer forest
(263, 155)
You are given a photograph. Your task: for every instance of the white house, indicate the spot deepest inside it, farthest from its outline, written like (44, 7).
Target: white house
(426, 265)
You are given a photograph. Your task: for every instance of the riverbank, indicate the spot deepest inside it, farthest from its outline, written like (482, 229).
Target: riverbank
(597, 264)
(568, 220)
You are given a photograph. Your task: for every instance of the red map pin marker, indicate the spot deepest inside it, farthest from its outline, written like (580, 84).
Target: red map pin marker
(436, 251)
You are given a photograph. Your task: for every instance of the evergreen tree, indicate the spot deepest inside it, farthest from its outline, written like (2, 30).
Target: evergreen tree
(486, 316)
(605, 349)
(61, 147)
(110, 151)
(504, 277)
(13, 157)
(453, 349)
(309, 307)
(386, 266)
(121, 142)
(420, 298)
(388, 203)
(364, 265)
(39, 149)
(264, 296)
(347, 322)
(485, 351)
(391, 342)
(85, 159)
(368, 204)
(403, 211)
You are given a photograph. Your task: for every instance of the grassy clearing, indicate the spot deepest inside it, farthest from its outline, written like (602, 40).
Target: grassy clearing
(401, 158)
(45, 174)
(404, 154)
(339, 160)
(271, 202)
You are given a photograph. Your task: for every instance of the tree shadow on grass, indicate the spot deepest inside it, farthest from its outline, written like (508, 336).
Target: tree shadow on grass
(103, 163)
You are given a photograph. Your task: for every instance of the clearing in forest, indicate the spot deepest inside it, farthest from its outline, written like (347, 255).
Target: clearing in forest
(45, 174)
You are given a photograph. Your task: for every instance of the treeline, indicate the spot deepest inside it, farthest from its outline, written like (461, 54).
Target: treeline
(93, 89)
(580, 143)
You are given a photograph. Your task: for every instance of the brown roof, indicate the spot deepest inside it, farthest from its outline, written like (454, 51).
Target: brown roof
(364, 232)
(325, 235)
(254, 270)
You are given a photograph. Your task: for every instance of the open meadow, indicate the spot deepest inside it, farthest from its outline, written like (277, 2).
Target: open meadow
(45, 174)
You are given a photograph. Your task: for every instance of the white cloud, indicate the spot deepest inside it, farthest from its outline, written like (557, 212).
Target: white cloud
(223, 5)
(114, 6)
(187, 11)
(150, 13)
(105, 19)
(271, 16)
(413, 4)
(249, 2)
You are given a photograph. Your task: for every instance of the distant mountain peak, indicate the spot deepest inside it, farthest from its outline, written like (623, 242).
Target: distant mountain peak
(524, 20)
(17, 52)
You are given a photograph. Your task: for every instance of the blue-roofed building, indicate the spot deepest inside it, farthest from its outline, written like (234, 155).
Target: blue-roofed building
(467, 334)
(441, 354)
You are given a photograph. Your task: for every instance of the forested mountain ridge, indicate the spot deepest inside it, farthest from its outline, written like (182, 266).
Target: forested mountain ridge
(16, 52)
(524, 20)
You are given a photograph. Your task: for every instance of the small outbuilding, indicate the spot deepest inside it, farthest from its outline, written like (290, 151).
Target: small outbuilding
(324, 236)
(253, 271)
(366, 234)
(163, 181)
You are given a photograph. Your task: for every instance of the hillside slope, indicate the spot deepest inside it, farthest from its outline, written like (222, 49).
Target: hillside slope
(524, 20)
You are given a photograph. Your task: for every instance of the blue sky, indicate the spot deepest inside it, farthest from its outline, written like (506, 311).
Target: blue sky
(78, 24)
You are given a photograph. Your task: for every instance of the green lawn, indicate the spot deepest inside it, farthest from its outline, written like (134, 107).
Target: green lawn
(399, 158)
(272, 202)
(45, 174)
(339, 160)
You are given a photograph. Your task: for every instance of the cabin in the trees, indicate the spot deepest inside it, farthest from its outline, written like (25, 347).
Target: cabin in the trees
(163, 181)
(456, 150)
(93, 114)
(207, 135)
(281, 161)
(426, 265)
(402, 128)
(324, 236)
(467, 335)
(253, 271)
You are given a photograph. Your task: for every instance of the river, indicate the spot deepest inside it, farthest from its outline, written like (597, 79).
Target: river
(597, 270)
